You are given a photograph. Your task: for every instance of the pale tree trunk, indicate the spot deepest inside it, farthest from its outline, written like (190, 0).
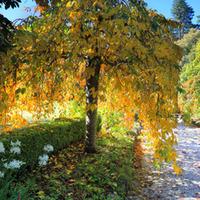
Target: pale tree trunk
(92, 84)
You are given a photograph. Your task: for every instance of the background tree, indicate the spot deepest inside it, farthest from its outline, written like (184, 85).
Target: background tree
(198, 19)
(187, 43)
(184, 14)
(189, 98)
(198, 22)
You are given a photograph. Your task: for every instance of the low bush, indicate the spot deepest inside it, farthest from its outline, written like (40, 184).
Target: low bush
(23, 147)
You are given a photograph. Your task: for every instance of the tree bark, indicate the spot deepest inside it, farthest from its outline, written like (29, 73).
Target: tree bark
(92, 85)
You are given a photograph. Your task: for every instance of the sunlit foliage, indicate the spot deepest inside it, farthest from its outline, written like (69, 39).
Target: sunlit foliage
(190, 76)
(191, 83)
(126, 49)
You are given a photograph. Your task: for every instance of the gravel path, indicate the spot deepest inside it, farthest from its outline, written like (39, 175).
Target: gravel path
(164, 184)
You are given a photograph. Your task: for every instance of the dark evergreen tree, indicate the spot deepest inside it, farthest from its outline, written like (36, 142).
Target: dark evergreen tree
(10, 3)
(198, 19)
(6, 30)
(6, 27)
(197, 25)
(183, 13)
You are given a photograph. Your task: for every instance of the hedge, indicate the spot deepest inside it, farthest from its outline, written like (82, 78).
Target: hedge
(59, 134)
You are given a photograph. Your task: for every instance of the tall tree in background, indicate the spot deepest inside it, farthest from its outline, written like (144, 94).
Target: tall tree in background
(184, 14)
(198, 19)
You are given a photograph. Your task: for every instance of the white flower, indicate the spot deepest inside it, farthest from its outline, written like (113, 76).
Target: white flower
(48, 148)
(14, 164)
(15, 150)
(43, 159)
(87, 119)
(2, 174)
(16, 144)
(2, 148)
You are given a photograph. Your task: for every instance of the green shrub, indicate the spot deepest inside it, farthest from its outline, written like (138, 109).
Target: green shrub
(73, 109)
(187, 117)
(59, 134)
(10, 189)
(112, 121)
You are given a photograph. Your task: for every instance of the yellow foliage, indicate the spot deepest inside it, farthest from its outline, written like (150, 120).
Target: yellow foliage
(138, 65)
(177, 169)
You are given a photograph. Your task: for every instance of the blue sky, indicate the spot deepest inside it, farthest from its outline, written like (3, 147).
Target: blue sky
(25, 9)
(162, 6)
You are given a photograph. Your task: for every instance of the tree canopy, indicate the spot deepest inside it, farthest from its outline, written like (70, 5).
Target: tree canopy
(119, 57)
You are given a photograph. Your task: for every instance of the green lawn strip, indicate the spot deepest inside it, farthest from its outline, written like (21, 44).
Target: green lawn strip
(73, 175)
(106, 175)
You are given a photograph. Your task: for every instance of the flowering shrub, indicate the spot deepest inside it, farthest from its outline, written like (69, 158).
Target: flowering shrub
(43, 160)
(1, 174)
(15, 150)
(7, 164)
(48, 148)
(14, 164)
(15, 147)
(2, 148)
(16, 144)
(32, 146)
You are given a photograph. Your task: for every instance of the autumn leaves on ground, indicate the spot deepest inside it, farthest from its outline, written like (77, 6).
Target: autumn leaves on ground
(81, 85)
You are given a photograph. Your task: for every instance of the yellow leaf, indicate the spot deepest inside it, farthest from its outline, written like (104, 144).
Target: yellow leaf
(94, 92)
(69, 4)
(90, 72)
(41, 194)
(59, 166)
(98, 4)
(2, 106)
(177, 169)
(90, 51)
(73, 15)
(91, 107)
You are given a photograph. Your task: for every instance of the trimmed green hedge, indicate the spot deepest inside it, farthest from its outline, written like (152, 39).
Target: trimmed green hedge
(59, 134)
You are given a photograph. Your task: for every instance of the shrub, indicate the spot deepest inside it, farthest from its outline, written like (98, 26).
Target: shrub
(25, 146)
